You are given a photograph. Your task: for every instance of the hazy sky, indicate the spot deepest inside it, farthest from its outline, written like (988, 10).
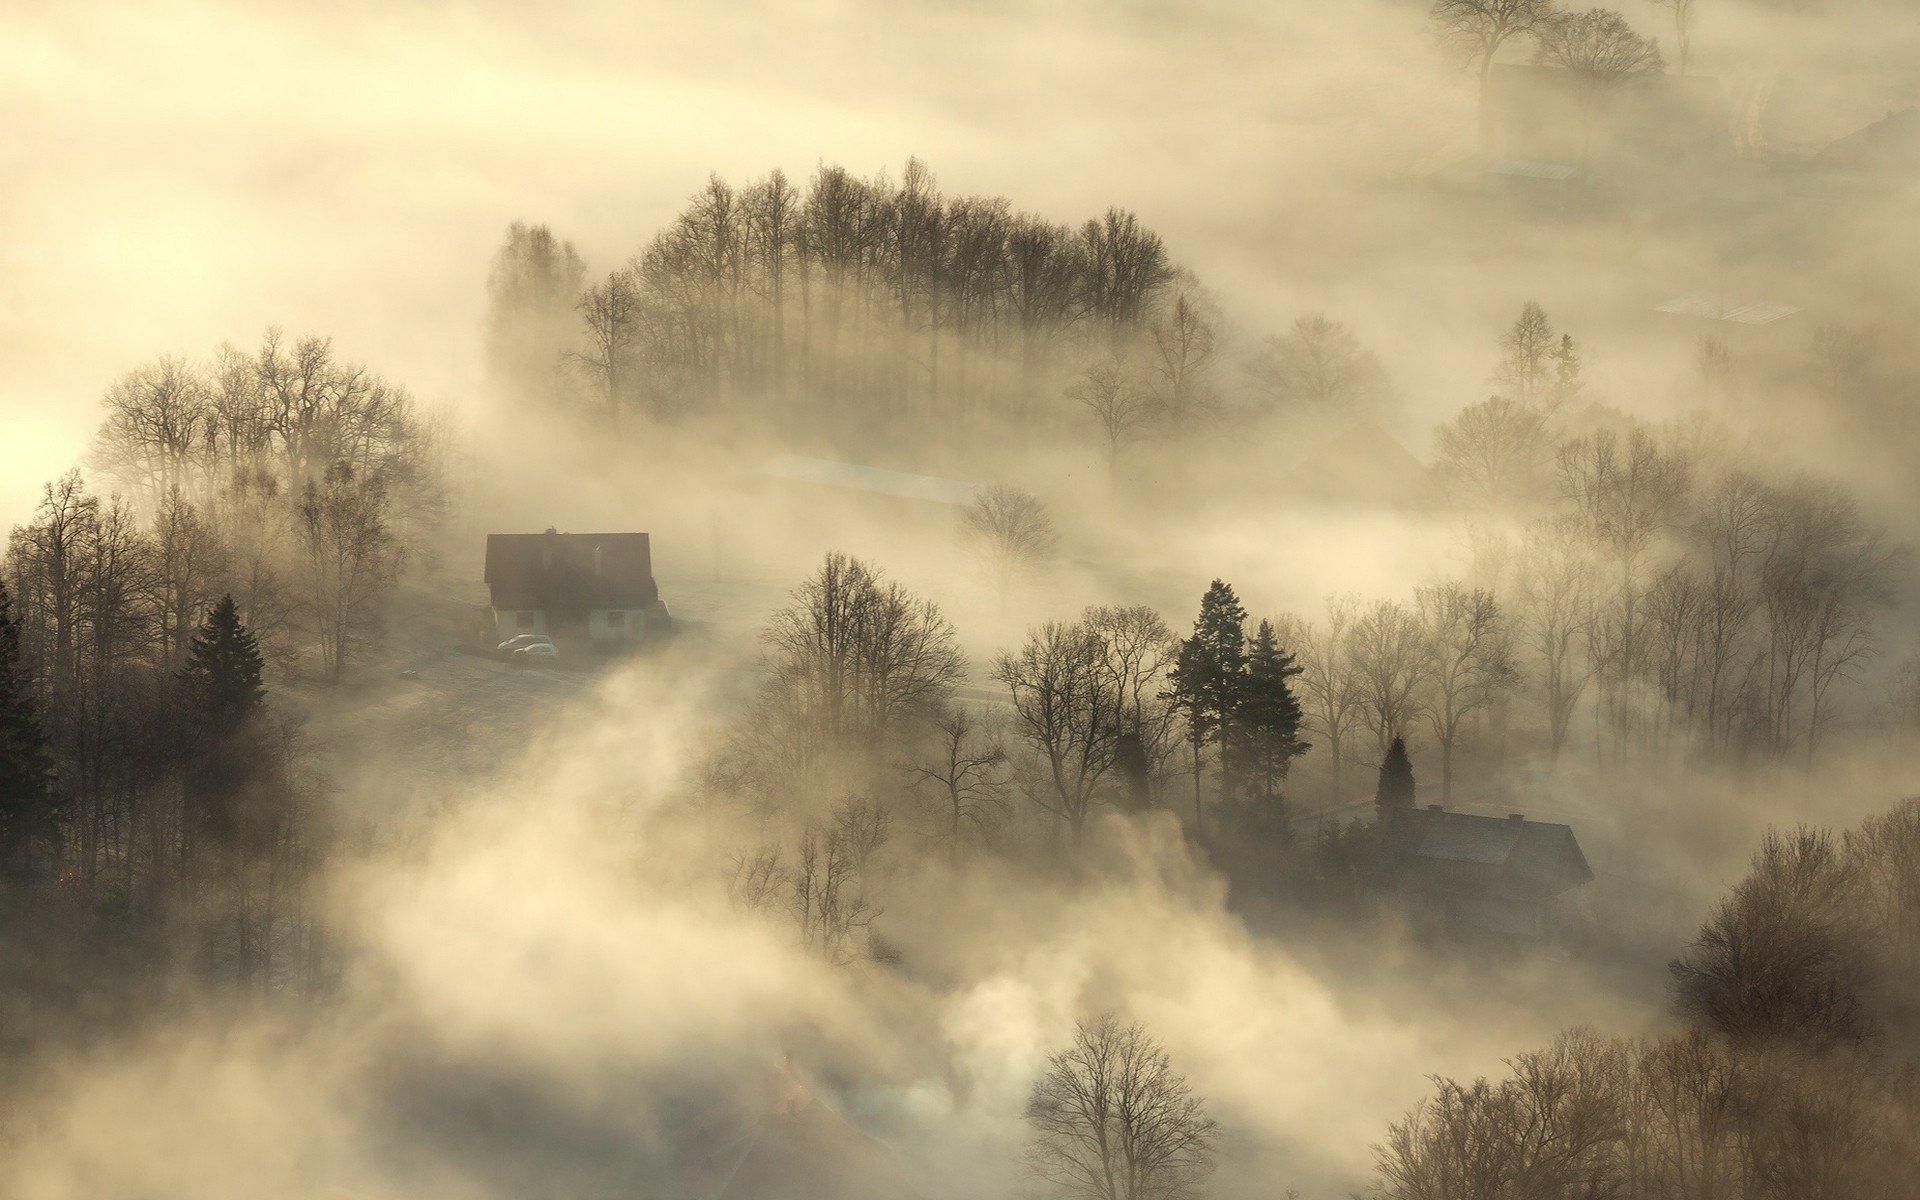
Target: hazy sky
(179, 174)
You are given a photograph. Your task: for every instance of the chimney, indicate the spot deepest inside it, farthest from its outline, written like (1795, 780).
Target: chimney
(1516, 817)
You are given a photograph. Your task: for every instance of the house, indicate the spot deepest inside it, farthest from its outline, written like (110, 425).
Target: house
(779, 1141)
(597, 586)
(1505, 876)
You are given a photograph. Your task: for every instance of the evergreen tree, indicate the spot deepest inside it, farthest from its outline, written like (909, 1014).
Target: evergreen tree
(1396, 780)
(1207, 681)
(28, 803)
(222, 674)
(223, 696)
(1566, 371)
(1266, 724)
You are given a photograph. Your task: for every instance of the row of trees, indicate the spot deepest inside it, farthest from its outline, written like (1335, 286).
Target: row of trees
(859, 694)
(293, 479)
(1794, 1079)
(847, 296)
(262, 506)
(181, 814)
(871, 301)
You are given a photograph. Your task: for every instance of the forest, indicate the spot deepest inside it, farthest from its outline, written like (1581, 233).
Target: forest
(1050, 842)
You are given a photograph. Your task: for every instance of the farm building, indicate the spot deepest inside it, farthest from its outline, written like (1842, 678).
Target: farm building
(1505, 876)
(596, 586)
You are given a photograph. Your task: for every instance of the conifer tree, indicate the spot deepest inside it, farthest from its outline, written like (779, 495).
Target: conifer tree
(221, 682)
(1396, 787)
(222, 674)
(1207, 681)
(28, 803)
(1267, 716)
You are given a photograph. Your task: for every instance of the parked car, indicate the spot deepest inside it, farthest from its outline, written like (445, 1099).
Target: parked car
(534, 650)
(522, 641)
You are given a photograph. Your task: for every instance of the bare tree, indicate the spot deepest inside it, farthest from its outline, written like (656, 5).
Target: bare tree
(1494, 457)
(1600, 50)
(1470, 663)
(1683, 18)
(159, 422)
(1556, 610)
(532, 291)
(855, 658)
(1527, 351)
(964, 769)
(1626, 498)
(1112, 1120)
(1387, 650)
(1319, 369)
(610, 311)
(1329, 685)
(1182, 354)
(1477, 29)
(1107, 392)
(1015, 529)
(1778, 958)
(350, 563)
(1060, 686)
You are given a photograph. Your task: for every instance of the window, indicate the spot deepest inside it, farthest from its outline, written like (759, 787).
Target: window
(524, 619)
(616, 619)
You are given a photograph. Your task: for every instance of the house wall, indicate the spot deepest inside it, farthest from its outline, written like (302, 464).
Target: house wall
(509, 622)
(616, 624)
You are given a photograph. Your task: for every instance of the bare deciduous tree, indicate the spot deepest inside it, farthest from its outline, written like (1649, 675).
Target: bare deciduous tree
(964, 768)
(1469, 663)
(1601, 51)
(1319, 369)
(1683, 19)
(350, 562)
(1329, 685)
(855, 657)
(1556, 609)
(1387, 650)
(1182, 353)
(1118, 408)
(1477, 29)
(1015, 529)
(1059, 682)
(1112, 1120)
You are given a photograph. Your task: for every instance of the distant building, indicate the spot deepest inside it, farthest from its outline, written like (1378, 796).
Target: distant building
(781, 1142)
(1505, 876)
(597, 586)
(1890, 146)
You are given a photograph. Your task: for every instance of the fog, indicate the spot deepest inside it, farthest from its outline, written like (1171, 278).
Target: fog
(522, 957)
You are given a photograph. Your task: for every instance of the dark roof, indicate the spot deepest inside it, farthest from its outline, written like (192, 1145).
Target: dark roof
(1534, 856)
(570, 572)
(782, 1142)
(1892, 143)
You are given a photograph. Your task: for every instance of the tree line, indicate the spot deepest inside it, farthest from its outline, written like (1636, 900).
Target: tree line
(854, 305)
(263, 506)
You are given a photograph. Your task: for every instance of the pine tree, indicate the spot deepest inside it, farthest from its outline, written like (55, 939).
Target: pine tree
(1566, 372)
(221, 681)
(1396, 780)
(28, 803)
(222, 674)
(1266, 723)
(1207, 681)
